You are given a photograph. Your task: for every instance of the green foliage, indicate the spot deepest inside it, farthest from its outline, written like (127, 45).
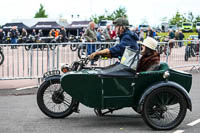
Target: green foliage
(41, 13)
(120, 12)
(177, 19)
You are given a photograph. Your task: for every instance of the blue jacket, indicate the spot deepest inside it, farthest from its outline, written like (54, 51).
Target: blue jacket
(128, 38)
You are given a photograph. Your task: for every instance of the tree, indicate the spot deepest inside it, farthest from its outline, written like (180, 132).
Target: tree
(177, 19)
(120, 12)
(197, 19)
(190, 17)
(41, 13)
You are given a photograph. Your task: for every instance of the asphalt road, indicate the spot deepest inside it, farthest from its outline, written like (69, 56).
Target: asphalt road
(19, 113)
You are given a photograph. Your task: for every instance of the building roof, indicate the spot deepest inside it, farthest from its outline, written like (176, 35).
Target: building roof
(18, 25)
(46, 25)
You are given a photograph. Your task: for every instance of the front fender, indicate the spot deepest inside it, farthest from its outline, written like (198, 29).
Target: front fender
(162, 84)
(52, 77)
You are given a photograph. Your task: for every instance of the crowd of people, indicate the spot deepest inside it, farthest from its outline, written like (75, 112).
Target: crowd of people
(14, 36)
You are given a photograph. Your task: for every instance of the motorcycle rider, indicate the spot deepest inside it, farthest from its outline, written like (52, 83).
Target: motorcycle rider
(127, 38)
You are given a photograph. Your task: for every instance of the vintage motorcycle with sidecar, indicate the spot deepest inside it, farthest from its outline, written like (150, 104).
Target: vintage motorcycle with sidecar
(160, 96)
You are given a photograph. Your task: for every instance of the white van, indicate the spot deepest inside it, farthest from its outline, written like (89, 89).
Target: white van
(197, 26)
(103, 23)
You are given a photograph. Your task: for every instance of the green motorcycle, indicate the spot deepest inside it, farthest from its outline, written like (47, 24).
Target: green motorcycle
(160, 96)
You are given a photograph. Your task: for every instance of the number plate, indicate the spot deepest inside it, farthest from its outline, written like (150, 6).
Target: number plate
(51, 73)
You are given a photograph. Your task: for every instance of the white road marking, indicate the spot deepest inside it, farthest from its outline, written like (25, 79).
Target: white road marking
(194, 122)
(179, 131)
(24, 88)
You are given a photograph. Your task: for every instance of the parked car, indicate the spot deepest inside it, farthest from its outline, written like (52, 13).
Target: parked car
(187, 26)
(172, 27)
(144, 27)
(197, 26)
(102, 24)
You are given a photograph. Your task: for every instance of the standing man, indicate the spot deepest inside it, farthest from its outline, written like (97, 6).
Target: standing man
(63, 34)
(106, 33)
(181, 37)
(127, 38)
(14, 35)
(149, 32)
(90, 36)
(2, 35)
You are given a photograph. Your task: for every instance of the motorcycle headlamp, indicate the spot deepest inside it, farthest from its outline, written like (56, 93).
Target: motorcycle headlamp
(65, 68)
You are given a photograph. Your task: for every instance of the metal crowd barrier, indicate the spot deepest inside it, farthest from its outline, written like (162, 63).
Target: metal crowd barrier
(31, 61)
(182, 54)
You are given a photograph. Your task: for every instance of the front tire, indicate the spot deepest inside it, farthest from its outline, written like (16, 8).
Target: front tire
(53, 101)
(164, 108)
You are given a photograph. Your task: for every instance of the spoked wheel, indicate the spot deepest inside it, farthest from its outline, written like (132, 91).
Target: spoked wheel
(27, 47)
(52, 47)
(1, 58)
(42, 47)
(82, 53)
(164, 108)
(53, 101)
(73, 47)
(186, 53)
(186, 56)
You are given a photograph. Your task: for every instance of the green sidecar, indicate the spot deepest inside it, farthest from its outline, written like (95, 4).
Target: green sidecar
(160, 96)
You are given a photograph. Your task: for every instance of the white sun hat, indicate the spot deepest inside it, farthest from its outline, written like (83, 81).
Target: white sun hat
(150, 43)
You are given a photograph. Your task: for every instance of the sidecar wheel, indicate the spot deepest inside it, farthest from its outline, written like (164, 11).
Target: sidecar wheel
(164, 108)
(54, 102)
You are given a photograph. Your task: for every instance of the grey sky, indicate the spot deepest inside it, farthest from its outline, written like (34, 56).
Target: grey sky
(138, 10)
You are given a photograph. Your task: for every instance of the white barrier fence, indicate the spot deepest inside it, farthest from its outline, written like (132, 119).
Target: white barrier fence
(30, 61)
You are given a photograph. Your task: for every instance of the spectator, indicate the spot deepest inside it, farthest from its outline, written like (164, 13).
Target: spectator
(57, 32)
(106, 33)
(113, 35)
(141, 36)
(181, 37)
(199, 34)
(63, 34)
(2, 35)
(137, 31)
(52, 33)
(40, 33)
(13, 35)
(24, 33)
(90, 36)
(171, 34)
(149, 32)
(99, 35)
(33, 33)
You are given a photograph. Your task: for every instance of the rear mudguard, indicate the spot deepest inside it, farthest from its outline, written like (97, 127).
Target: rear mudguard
(162, 84)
